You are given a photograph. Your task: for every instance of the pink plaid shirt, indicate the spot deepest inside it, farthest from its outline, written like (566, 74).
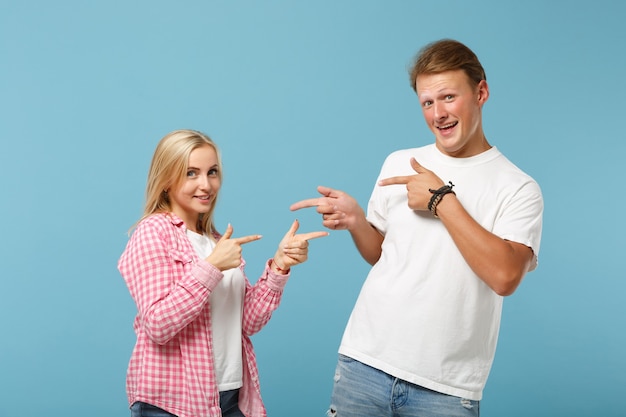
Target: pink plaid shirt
(171, 366)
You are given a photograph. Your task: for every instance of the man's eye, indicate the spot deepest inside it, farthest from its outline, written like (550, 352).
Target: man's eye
(427, 103)
(449, 97)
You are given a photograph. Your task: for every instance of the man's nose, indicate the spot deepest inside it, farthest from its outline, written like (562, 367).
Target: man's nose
(440, 111)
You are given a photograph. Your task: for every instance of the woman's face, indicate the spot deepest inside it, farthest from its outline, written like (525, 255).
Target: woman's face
(196, 192)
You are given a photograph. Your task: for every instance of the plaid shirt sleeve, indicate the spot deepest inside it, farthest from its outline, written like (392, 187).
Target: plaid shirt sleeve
(262, 299)
(166, 301)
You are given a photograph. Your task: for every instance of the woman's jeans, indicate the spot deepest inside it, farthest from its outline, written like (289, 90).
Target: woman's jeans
(140, 409)
(228, 404)
(363, 391)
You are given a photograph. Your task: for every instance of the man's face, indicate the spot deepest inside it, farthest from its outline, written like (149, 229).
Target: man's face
(452, 110)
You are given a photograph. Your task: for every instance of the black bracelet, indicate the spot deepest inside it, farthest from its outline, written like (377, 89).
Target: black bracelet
(437, 196)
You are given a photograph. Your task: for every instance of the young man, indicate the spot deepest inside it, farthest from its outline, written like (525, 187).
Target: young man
(450, 229)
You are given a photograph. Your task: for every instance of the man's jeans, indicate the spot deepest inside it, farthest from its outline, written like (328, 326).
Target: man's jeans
(363, 391)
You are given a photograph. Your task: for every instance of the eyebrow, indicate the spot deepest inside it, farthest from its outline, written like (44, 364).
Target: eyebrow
(444, 91)
(198, 169)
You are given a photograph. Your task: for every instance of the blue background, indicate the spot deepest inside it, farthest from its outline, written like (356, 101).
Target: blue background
(298, 94)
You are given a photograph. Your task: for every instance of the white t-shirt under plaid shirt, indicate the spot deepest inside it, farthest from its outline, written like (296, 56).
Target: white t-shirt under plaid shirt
(227, 311)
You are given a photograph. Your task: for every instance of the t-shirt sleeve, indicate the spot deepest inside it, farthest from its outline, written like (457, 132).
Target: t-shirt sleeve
(521, 219)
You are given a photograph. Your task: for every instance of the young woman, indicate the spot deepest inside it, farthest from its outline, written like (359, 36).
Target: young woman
(196, 308)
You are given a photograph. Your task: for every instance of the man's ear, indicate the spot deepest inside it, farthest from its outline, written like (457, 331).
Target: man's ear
(482, 90)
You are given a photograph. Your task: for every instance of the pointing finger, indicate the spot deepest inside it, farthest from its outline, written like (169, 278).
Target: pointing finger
(312, 235)
(404, 179)
(311, 202)
(247, 239)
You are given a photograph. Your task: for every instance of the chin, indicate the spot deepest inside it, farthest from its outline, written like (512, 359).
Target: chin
(203, 210)
(448, 145)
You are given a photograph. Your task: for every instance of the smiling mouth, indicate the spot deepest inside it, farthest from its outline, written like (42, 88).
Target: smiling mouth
(203, 197)
(447, 126)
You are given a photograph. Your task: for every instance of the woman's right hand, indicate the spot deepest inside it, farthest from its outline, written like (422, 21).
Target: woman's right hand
(227, 251)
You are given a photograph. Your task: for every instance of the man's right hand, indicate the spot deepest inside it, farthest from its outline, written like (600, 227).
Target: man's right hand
(339, 210)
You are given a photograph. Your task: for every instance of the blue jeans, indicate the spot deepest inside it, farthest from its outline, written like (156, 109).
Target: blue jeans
(229, 401)
(140, 409)
(363, 391)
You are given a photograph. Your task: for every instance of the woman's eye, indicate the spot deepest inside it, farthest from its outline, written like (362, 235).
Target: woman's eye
(191, 173)
(213, 172)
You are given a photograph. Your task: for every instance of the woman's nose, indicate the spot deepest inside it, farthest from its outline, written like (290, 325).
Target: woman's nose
(205, 184)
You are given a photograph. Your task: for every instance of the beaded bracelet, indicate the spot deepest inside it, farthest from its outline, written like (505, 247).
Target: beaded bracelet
(437, 196)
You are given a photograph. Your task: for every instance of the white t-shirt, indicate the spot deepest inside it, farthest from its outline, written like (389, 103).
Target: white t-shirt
(226, 302)
(423, 315)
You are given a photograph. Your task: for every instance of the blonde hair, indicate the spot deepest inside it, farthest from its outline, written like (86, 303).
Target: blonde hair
(169, 167)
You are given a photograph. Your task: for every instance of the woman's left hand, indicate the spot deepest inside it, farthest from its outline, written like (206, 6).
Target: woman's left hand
(293, 249)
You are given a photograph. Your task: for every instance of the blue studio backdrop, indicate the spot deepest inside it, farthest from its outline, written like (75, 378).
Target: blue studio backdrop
(298, 94)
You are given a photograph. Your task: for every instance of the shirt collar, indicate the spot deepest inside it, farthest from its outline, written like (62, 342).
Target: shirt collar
(176, 221)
